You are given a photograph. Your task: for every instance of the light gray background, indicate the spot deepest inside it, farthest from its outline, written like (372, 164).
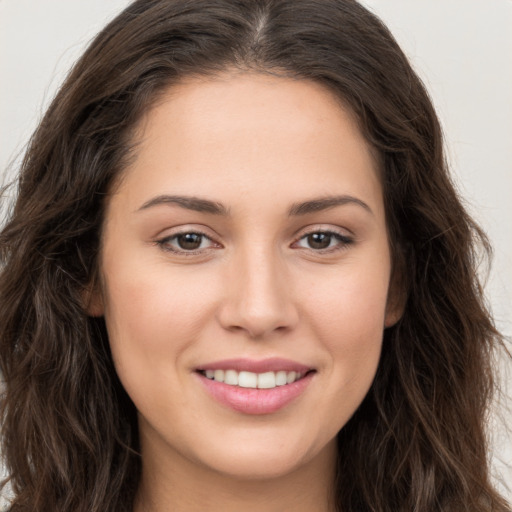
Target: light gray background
(461, 48)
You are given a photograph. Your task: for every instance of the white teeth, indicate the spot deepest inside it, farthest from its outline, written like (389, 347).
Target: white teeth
(290, 377)
(281, 378)
(231, 377)
(267, 380)
(247, 380)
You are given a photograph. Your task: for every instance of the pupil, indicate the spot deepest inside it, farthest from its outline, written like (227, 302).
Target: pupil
(319, 240)
(189, 241)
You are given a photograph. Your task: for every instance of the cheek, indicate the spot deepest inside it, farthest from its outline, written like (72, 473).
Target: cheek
(349, 323)
(349, 308)
(152, 318)
(150, 324)
(151, 307)
(353, 335)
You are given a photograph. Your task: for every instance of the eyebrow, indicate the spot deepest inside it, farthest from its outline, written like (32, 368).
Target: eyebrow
(325, 203)
(188, 202)
(215, 208)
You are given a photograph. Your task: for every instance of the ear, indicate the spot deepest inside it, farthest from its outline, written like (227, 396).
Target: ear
(397, 299)
(92, 299)
(393, 314)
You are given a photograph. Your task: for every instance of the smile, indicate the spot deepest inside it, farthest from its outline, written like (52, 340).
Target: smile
(255, 387)
(245, 379)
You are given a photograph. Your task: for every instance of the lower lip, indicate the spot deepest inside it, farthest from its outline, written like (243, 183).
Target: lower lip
(255, 401)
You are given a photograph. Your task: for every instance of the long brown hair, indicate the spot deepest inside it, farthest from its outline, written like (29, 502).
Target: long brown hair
(69, 431)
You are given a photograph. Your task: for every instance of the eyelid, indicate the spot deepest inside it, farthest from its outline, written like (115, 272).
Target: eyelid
(344, 239)
(163, 241)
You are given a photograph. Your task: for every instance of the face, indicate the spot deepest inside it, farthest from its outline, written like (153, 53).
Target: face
(246, 266)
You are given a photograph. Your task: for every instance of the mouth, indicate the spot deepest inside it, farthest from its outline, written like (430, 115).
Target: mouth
(255, 387)
(252, 380)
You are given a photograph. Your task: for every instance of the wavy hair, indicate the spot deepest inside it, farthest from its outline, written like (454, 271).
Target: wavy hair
(69, 431)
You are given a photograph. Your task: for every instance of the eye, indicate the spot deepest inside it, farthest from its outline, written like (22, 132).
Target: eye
(323, 240)
(186, 242)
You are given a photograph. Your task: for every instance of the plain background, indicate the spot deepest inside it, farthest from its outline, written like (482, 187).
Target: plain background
(462, 49)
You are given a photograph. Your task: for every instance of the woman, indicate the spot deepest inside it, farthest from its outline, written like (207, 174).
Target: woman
(237, 276)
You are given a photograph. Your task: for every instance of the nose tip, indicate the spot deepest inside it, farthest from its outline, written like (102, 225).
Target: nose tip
(258, 302)
(258, 320)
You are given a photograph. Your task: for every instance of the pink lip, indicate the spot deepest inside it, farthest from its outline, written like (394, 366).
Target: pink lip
(255, 401)
(273, 364)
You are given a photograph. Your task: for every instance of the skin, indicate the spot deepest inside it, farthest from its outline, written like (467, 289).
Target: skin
(255, 288)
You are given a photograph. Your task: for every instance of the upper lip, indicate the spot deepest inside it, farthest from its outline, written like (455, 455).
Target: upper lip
(273, 364)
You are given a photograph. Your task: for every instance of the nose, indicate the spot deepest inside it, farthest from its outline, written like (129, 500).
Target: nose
(258, 301)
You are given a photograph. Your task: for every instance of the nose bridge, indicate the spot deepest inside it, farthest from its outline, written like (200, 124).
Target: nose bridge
(258, 300)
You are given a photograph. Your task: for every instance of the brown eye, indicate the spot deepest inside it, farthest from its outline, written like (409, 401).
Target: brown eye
(324, 241)
(319, 240)
(189, 241)
(185, 243)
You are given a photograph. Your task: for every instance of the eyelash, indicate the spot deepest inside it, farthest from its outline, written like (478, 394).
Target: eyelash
(343, 242)
(164, 243)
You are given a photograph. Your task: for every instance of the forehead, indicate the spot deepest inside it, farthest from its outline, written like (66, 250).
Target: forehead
(245, 133)
(241, 103)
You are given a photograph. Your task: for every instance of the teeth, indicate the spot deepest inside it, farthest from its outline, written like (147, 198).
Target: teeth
(247, 380)
(231, 377)
(281, 378)
(267, 380)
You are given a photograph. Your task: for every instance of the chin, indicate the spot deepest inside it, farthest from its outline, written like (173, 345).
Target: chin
(266, 461)
(258, 467)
